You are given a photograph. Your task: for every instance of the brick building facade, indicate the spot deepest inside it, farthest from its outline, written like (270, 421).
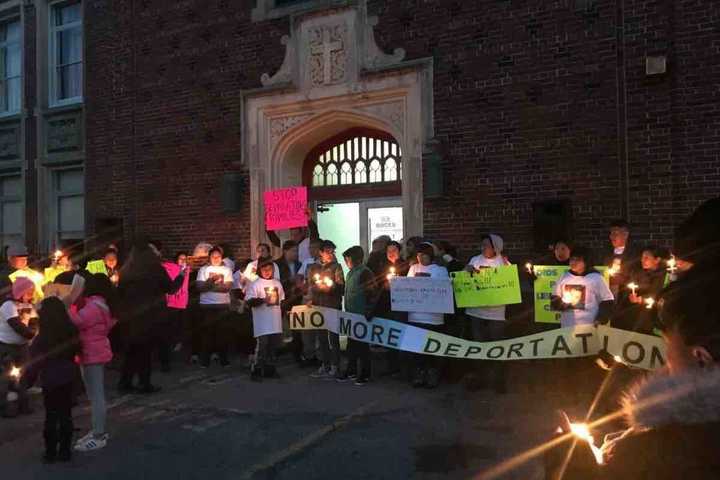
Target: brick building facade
(527, 113)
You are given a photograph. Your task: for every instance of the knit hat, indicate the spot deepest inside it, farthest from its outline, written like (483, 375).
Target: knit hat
(21, 285)
(697, 239)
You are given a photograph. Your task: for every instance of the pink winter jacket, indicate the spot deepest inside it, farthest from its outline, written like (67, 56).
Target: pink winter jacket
(94, 322)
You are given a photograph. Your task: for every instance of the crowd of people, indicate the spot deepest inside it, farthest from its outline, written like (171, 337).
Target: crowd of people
(205, 304)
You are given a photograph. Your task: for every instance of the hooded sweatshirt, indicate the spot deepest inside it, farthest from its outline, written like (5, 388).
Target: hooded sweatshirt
(481, 261)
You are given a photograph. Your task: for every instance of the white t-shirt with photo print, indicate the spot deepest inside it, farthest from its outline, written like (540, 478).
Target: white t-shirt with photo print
(586, 292)
(215, 298)
(267, 319)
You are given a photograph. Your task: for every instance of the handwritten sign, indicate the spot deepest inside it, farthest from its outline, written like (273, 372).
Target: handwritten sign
(488, 287)
(421, 294)
(285, 208)
(546, 278)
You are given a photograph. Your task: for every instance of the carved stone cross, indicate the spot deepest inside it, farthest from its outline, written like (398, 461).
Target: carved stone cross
(326, 50)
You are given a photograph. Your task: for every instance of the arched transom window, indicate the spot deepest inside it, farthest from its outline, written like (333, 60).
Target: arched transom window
(358, 160)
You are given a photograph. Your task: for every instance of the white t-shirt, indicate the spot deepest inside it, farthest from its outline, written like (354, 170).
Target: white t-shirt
(215, 298)
(432, 271)
(305, 265)
(304, 250)
(267, 319)
(586, 293)
(487, 313)
(251, 275)
(229, 263)
(10, 309)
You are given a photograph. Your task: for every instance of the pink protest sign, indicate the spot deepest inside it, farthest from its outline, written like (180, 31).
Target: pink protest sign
(285, 208)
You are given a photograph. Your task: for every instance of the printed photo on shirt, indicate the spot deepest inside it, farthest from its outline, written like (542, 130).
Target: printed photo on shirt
(574, 295)
(272, 296)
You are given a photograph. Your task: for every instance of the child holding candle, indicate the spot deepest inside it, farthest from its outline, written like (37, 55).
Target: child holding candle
(426, 367)
(265, 296)
(487, 324)
(16, 331)
(633, 312)
(214, 281)
(326, 287)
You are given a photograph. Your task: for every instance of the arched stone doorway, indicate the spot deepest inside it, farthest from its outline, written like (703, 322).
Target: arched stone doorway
(309, 101)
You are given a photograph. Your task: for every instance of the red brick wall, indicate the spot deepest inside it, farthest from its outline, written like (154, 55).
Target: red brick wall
(526, 108)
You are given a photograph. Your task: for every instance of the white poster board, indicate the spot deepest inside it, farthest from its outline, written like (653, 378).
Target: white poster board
(421, 294)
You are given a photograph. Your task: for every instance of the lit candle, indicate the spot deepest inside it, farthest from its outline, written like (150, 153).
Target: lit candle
(568, 298)
(615, 268)
(633, 287)
(15, 372)
(391, 273)
(58, 254)
(672, 265)
(529, 268)
(649, 302)
(328, 282)
(581, 431)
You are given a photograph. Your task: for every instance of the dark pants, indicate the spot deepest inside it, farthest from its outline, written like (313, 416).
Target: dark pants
(490, 331)
(214, 332)
(193, 336)
(266, 349)
(58, 419)
(166, 334)
(138, 361)
(422, 361)
(358, 352)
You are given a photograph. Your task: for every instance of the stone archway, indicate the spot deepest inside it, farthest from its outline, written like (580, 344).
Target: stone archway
(309, 100)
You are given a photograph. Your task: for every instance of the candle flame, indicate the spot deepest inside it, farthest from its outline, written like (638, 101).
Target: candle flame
(581, 431)
(58, 253)
(632, 286)
(567, 297)
(316, 277)
(529, 267)
(617, 358)
(649, 302)
(15, 372)
(328, 282)
(672, 264)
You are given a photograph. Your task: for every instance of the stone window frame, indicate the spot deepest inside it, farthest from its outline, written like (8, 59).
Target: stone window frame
(5, 19)
(53, 101)
(267, 9)
(57, 194)
(12, 199)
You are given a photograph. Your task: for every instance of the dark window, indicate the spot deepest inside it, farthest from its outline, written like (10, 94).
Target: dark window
(551, 221)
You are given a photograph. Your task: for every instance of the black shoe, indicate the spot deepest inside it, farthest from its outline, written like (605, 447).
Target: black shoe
(149, 389)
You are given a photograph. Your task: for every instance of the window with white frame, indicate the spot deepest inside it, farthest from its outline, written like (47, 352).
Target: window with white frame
(66, 53)
(69, 204)
(11, 210)
(10, 68)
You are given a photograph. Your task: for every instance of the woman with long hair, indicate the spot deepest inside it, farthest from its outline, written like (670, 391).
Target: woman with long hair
(145, 283)
(52, 353)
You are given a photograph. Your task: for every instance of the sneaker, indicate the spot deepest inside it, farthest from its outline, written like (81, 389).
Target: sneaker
(360, 381)
(92, 443)
(321, 372)
(84, 438)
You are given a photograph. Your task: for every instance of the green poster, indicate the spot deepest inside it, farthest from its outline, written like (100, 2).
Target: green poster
(547, 276)
(488, 287)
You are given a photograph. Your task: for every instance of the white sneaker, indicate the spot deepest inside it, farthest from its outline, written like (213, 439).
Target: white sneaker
(92, 443)
(84, 438)
(321, 373)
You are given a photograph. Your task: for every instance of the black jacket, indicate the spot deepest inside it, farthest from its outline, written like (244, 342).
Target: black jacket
(333, 297)
(142, 299)
(293, 295)
(633, 316)
(629, 264)
(383, 308)
(677, 438)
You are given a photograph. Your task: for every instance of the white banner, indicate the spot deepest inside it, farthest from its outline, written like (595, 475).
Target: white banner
(422, 294)
(634, 349)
